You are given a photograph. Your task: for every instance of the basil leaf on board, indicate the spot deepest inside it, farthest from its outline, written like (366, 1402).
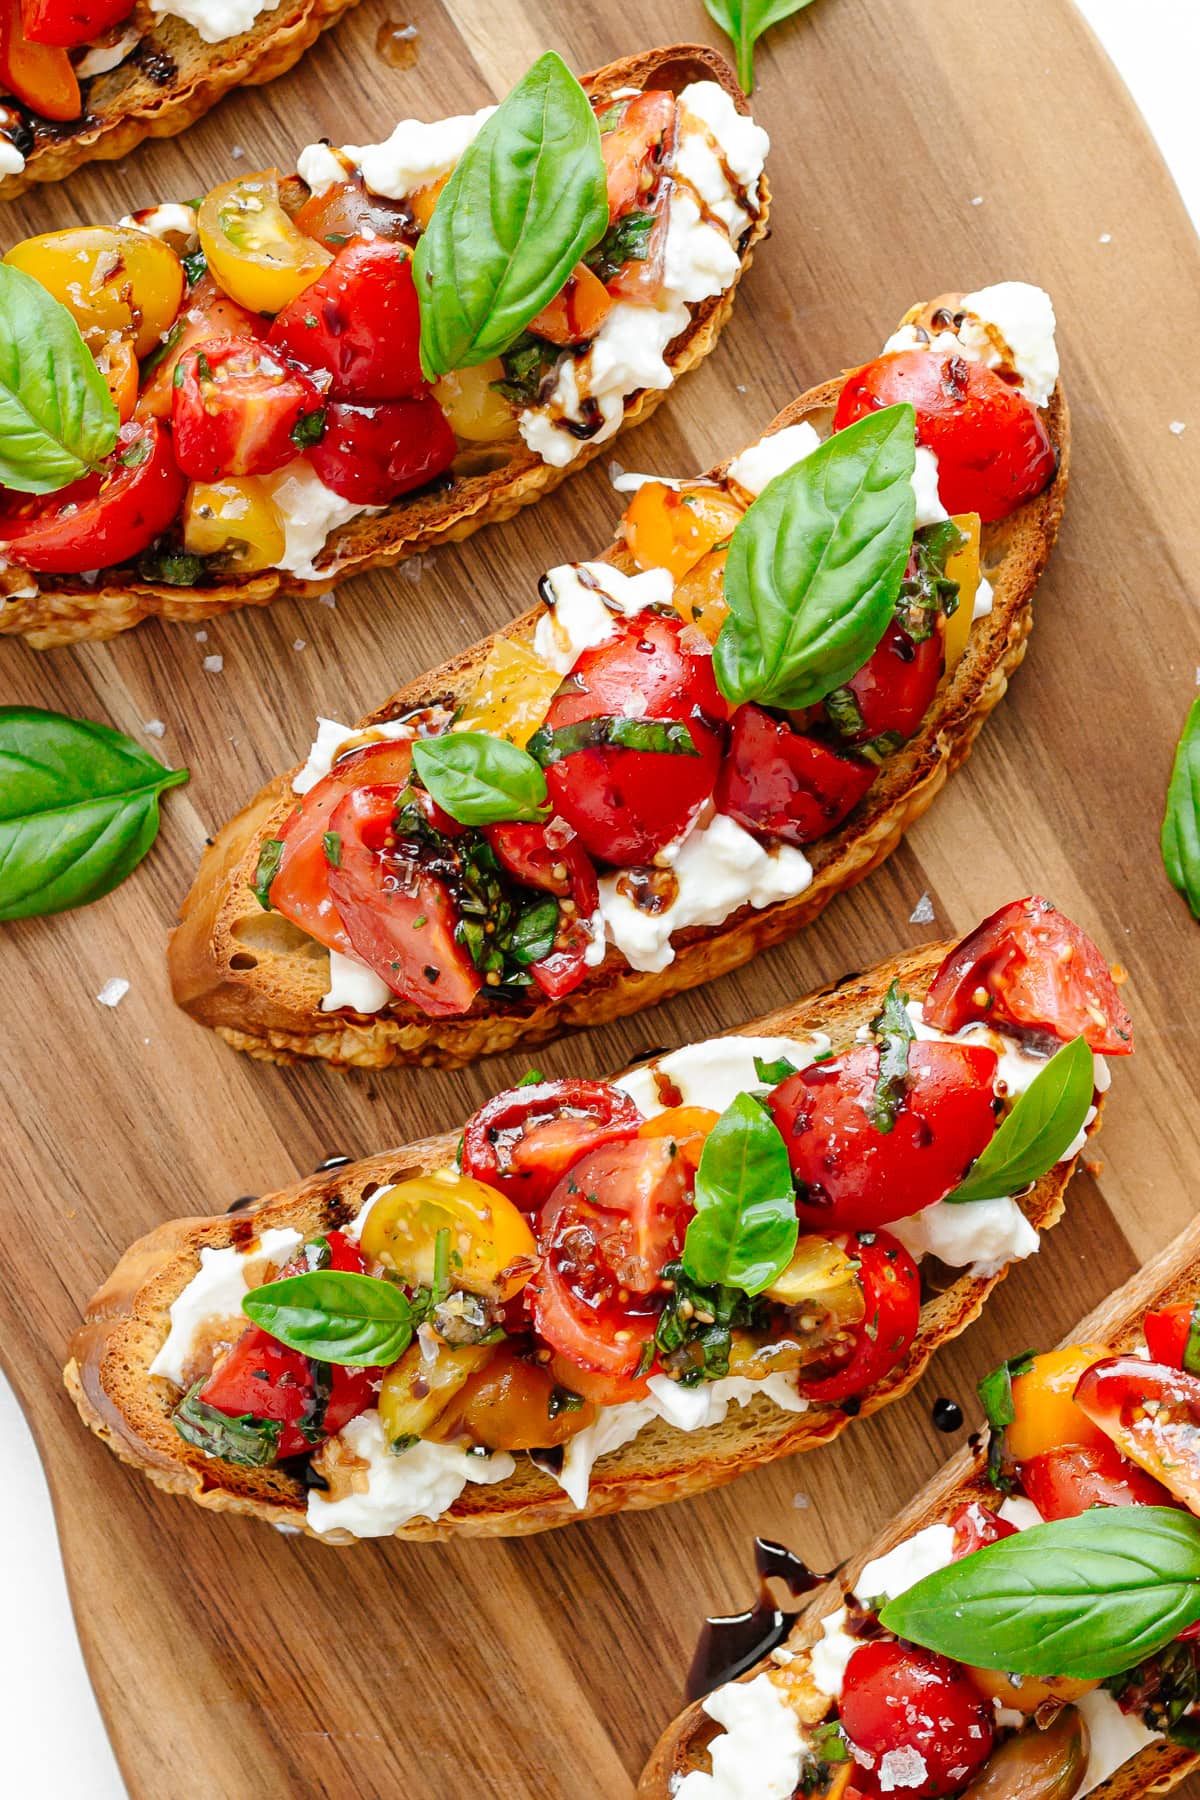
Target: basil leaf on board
(665, 737)
(254, 1443)
(1181, 820)
(480, 779)
(894, 1032)
(528, 196)
(335, 1316)
(815, 565)
(996, 1393)
(744, 21)
(772, 1073)
(745, 1227)
(78, 810)
(57, 418)
(1045, 1119)
(1083, 1598)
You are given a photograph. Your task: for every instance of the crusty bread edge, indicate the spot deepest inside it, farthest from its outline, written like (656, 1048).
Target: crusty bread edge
(1172, 1275)
(127, 1321)
(239, 1000)
(48, 619)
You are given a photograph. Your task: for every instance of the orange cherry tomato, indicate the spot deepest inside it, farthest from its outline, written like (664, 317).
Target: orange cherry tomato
(688, 1126)
(576, 313)
(1045, 1413)
(669, 528)
(514, 1404)
(40, 75)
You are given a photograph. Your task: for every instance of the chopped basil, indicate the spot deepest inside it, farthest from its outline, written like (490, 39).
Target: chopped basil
(528, 364)
(173, 568)
(267, 868)
(195, 266)
(893, 1032)
(995, 1391)
(693, 1335)
(772, 1073)
(332, 841)
(535, 931)
(628, 240)
(254, 1443)
(665, 737)
(308, 429)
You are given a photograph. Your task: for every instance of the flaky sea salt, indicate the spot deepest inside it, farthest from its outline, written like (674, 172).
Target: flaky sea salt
(213, 665)
(902, 1768)
(113, 991)
(154, 728)
(922, 913)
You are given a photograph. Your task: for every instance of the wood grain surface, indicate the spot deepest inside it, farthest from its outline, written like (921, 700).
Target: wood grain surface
(919, 145)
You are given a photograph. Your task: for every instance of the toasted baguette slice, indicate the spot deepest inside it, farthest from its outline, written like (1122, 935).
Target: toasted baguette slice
(1174, 1275)
(68, 610)
(259, 981)
(169, 80)
(128, 1320)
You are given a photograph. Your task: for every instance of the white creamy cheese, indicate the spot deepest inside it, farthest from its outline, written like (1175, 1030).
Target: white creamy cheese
(984, 599)
(930, 510)
(416, 154)
(719, 868)
(1022, 317)
(422, 1482)
(713, 1073)
(100, 58)
(759, 1754)
(1113, 1737)
(11, 160)
(323, 167)
(900, 1569)
(215, 1293)
(983, 1236)
(734, 142)
(216, 20)
(831, 1653)
(331, 735)
(1016, 1510)
(584, 601)
(171, 219)
(308, 511)
(771, 456)
(353, 984)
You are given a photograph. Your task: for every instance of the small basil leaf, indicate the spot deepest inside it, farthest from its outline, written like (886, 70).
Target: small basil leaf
(1083, 1598)
(335, 1316)
(626, 241)
(664, 737)
(744, 21)
(332, 842)
(1181, 820)
(480, 779)
(78, 810)
(996, 1392)
(1046, 1118)
(1191, 1348)
(57, 418)
(251, 1442)
(894, 1032)
(535, 931)
(525, 201)
(772, 1073)
(266, 869)
(816, 563)
(745, 1228)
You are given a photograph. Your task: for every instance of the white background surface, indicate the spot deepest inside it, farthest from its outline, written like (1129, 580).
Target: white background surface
(55, 1746)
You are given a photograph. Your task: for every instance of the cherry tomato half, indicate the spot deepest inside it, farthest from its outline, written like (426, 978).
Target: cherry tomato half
(1045, 1415)
(1169, 1332)
(507, 1405)
(359, 322)
(605, 1234)
(975, 1526)
(373, 454)
(895, 686)
(535, 855)
(1030, 966)
(626, 803)
(1070, 1480)
(40, 75)
(348, 210)
(993, 450)
(235, 408)
(104, 519)
(898, 1697)
(206, 313)
(70, 22)
(852, 1176)
(891, 1288)
(1152, 1415)
(524, 1140)
(782, 783)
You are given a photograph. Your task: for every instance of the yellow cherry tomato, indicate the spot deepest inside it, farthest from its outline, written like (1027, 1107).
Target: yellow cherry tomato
(821, 1276)
(236, 519)
(1045, 1414)
(118, 363)
(1025, 1693)
(963, 566)
(512, 693)
(669, 528)
(112, 278)
(687, 1125)
(514, 1404)
(255, 253)
(416, 1389)
(422, 203)
(492, 1249)
(477, 413)
(699, 598)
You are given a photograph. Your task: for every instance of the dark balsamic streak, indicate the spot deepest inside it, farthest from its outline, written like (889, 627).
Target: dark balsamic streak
(730, 1646)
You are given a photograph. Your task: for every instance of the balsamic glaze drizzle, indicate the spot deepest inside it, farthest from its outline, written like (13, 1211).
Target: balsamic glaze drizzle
(730, 1646)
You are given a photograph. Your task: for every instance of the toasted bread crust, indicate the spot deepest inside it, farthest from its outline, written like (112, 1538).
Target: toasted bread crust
(73, 611)
(128, 1321)
(1117, 1321)
(259, 982)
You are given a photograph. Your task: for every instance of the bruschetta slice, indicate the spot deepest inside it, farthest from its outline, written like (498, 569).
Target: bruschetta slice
(328, 371)
(1091, 1446)
(611, 1294)
(684, 753)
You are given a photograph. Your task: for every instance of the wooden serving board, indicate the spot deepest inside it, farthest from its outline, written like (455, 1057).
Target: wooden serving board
(919, 145)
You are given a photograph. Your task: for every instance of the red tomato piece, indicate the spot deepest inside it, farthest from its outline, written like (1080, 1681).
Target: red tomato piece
(106, 518)
(626, 804)
(636, 149)
(895, 686)
(1152, 1415)
(39, 75)
(781, 783)
(70, 22)
(400, 919)
(899, 1698)
(524, 1140)
(993, 450)
(206, 313)
(1169, 1331)
(975, 1526)
(852, 1176)
(300, 890)
(373, 454)
(577, 311)
(348, 210)
(359, 322)
(605, 1234)
(892, 1293)
(535, 856)
(235, 407)
(1030, 966)
(1069, 1480)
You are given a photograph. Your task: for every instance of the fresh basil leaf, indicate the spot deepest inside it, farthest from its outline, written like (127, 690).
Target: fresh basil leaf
(1082, 1598)
(480, 779)
(171, 568)
(744, 1229)
(1191, 1348)
(1045, 1119)
(996, 1393)
(266, 869)
(309, 428)
(57, 418)
(664, 737)
(251, 1442)
(535, 931)
(332, 842)
(772, 1073)
(815, 565)
(1181, 820)
(335, 1316)
(628, 240)
(78, 810)
(527, 198)
(745, 21)
(894, 1032)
